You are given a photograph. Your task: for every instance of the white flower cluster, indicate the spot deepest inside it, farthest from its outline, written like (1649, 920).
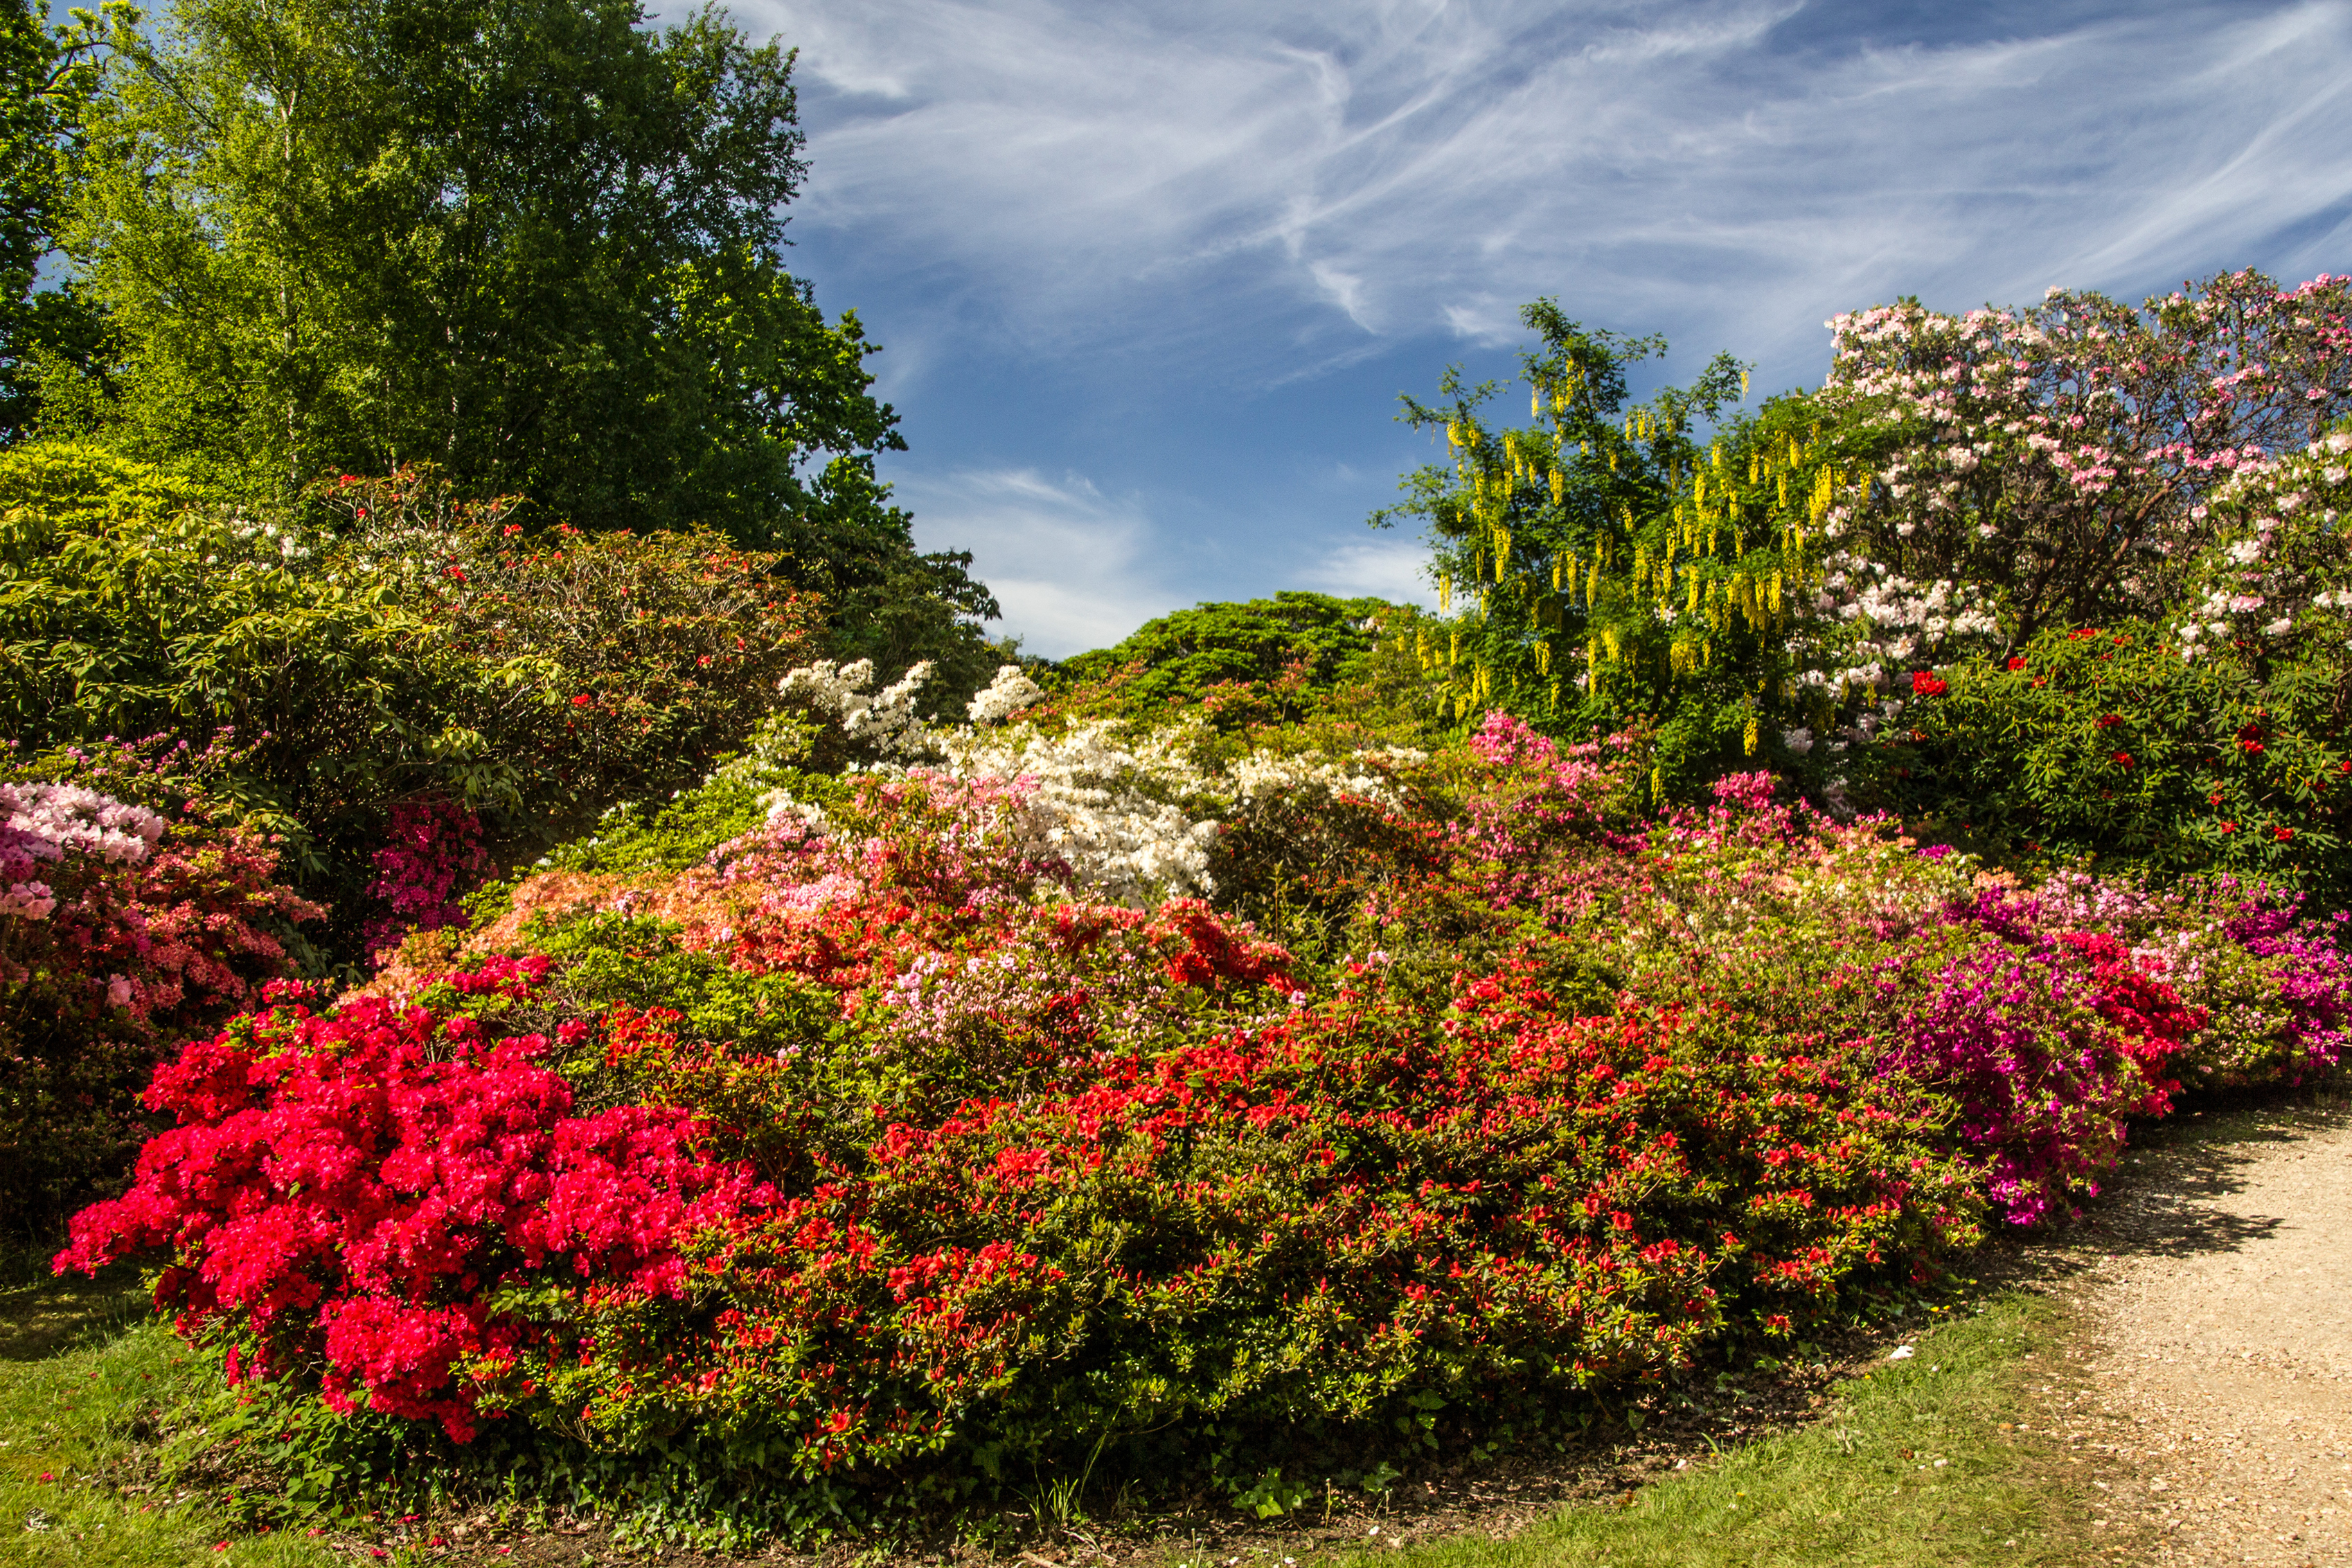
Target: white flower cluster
(1892, 621)
(2291, 561)
(1263, 775)
(1008, 694)
(1134, 819)
(782, 807)
(1117, 815)
(886, 720)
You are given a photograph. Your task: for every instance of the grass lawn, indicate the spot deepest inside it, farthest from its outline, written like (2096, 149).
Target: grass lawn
(1918, 1462)
(81, 1371)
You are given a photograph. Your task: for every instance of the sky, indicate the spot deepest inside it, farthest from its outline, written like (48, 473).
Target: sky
(1149, 275)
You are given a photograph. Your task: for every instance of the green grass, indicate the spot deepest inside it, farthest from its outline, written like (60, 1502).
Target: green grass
(81, 1373)
(1861, 1485)
(82, 1370)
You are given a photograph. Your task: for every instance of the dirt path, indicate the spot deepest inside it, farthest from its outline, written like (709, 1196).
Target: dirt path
(2221, 1296)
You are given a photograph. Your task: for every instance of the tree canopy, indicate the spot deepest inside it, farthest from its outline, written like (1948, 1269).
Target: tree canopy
(537, 245)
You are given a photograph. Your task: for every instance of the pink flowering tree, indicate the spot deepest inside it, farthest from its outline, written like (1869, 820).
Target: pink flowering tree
(2277, 575)
(2064, 457)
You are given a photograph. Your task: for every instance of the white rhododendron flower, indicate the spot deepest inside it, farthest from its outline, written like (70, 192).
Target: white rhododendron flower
(1008, 694)
(886, 718)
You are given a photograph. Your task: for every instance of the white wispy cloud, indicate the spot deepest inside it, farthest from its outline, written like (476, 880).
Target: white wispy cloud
(1224, 197)
(1392, 569)
(1397, 166)
(1066, 561)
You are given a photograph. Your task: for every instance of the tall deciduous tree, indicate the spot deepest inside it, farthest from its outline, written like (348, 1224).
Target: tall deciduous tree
(46, 77)
(535, 242)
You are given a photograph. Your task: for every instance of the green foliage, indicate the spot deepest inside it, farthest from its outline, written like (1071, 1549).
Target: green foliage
(129, 605)
(1297, 670)
(537, 244)
(45, 79)
(432, 648)
(1236, 662)
(2108, 746)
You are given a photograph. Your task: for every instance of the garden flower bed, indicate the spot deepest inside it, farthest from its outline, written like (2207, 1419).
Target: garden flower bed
(917, 1139)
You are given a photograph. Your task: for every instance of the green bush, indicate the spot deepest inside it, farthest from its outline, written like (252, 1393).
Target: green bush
(2107, 746)
(396, 644)
(1247, 665)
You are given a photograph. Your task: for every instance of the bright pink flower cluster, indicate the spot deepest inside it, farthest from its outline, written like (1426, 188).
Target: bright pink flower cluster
(351, 1189)
(433, 854)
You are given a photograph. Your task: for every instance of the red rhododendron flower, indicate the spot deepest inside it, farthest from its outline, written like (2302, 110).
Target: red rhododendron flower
(1924, 683)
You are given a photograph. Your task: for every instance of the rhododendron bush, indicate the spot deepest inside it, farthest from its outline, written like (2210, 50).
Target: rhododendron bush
(2110, 744)
(122, 926)
(1785, 583)
(898, 1147)
(387, 646)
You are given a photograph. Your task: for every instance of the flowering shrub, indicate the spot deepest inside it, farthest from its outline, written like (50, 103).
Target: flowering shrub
(2277, 577)
(436, 848)
(2108, 743)
(359, 1188)
(2046, 1047)
(416, 648)
(2061, 456)
(1792, 582)
(887, 1147)
(1132, 1224)
(121, 926)
(630, 662)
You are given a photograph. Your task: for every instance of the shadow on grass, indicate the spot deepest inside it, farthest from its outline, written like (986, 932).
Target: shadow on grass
(43, 1315)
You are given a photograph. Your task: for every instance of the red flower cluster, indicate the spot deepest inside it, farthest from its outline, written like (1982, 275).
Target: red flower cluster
(353, 1191)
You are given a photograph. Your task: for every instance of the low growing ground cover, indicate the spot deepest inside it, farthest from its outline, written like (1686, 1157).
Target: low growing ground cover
(1032, 1102)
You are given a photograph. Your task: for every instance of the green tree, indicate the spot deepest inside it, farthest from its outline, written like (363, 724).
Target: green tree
(1556, 544)
(535, 242)
(46, 77)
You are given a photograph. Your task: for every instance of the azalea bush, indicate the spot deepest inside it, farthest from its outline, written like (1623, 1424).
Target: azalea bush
(910, 1177)
(133, 912)
(881, 1140)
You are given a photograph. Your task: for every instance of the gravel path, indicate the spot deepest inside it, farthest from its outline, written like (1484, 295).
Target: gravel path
(2224, 1306)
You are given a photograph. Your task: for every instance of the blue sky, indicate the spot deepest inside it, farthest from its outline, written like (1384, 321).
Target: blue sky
(1149, 276)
